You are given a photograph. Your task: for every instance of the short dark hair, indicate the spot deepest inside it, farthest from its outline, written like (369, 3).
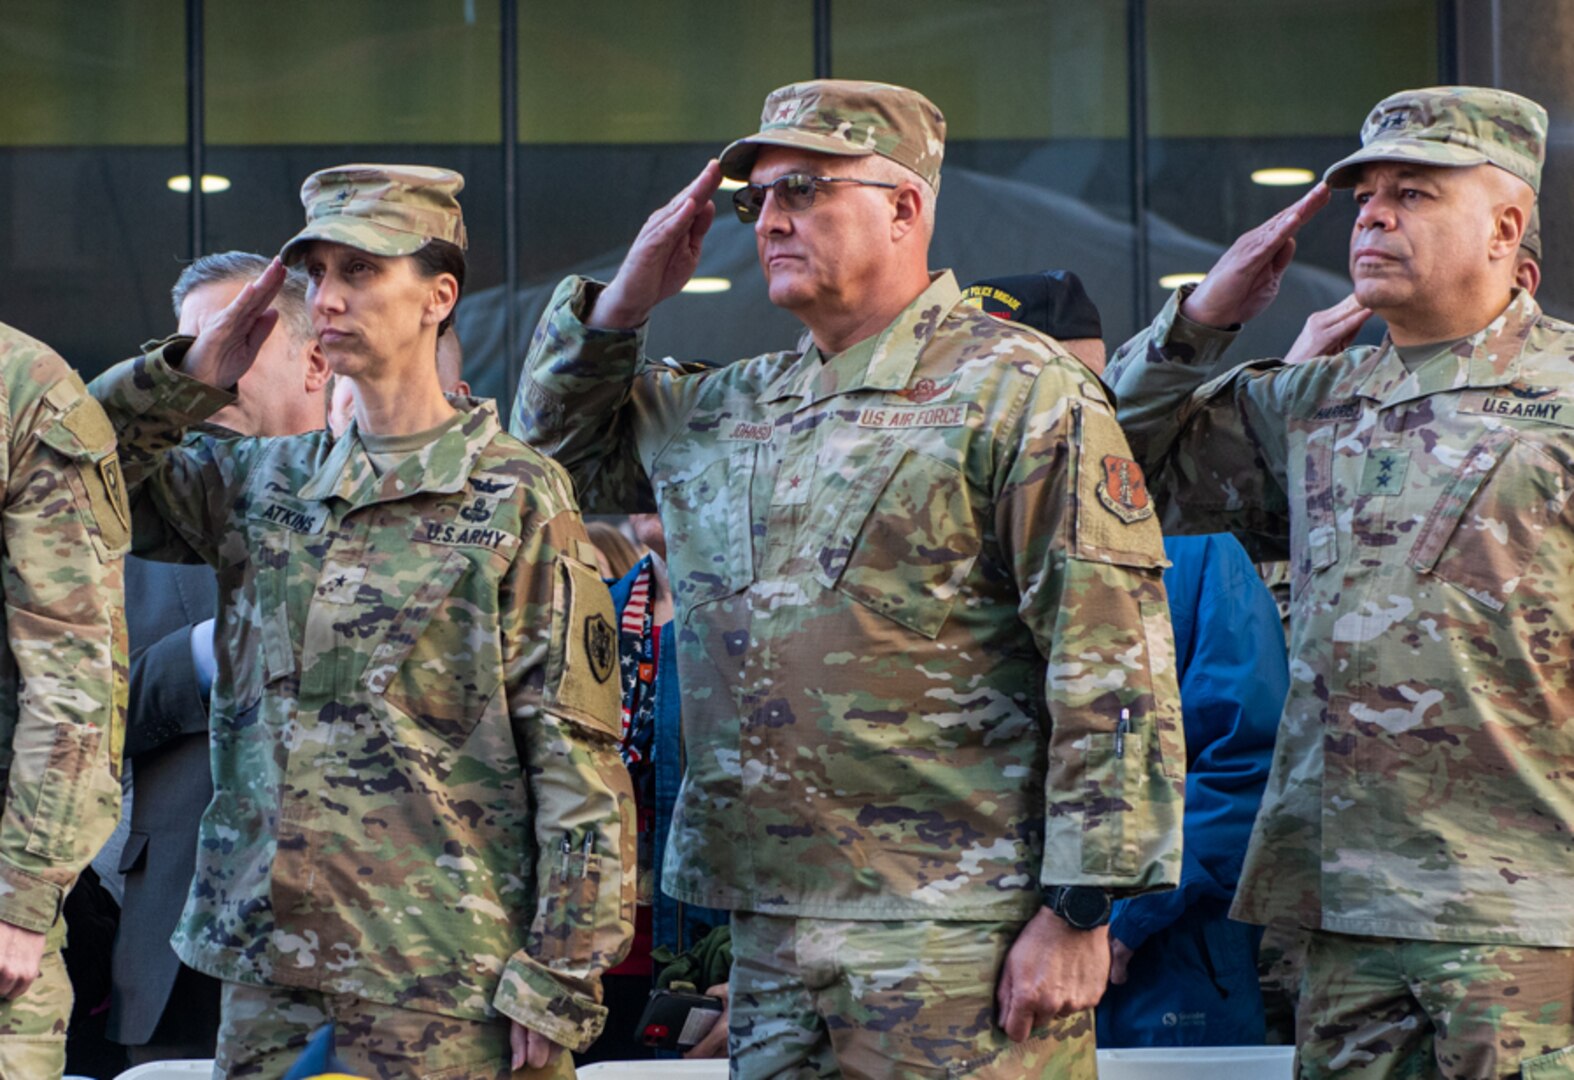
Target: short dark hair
(441, 257)
(243, 266)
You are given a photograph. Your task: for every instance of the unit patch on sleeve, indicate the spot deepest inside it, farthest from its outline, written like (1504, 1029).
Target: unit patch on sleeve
(1123, 491)
(601, 647)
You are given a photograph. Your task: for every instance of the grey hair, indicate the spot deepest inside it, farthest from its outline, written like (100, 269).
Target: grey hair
(243, 266)
(876, 167)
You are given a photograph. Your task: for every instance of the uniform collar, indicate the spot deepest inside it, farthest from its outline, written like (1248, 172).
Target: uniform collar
(1489, 357)
(441, 467)
(883, 362)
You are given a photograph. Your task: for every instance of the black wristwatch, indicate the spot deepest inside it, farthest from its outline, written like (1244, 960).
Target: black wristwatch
(1084, 907)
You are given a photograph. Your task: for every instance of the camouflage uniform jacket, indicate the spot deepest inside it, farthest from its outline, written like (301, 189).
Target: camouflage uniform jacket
(418, 796)
(911, 614)
(63, 646)
(1420, 786)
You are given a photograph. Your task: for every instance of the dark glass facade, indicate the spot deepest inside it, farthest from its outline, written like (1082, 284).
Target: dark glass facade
(1117, 138)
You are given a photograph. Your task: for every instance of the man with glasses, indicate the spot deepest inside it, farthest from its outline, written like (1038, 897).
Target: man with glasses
(930, 709)
(1418, 814)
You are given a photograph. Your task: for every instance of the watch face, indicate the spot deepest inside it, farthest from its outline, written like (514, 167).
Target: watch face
(1085, 907)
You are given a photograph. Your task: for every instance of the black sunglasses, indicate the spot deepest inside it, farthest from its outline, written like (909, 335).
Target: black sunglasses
(794, 192)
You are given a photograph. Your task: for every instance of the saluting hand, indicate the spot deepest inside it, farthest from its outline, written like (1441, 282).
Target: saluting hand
(1246, 278)
(1329, 331)
(663, 256)
(229, 342)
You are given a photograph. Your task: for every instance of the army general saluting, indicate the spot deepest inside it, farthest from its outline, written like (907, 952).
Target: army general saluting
(1419, 814)
(924, 648)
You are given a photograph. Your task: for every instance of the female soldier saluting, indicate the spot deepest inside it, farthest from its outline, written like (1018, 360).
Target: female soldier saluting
(420, 824)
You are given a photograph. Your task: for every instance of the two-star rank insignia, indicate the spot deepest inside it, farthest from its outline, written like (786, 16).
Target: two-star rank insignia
(1384, 471)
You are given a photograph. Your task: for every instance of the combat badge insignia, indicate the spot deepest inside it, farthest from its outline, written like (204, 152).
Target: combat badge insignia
(1123, 491)
(600, 646)
(926, 390)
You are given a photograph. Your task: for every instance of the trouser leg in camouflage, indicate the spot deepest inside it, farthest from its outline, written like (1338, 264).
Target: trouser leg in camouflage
(1380, 1008)
(911, 1000)
(1280, 960)
(264, 1029)
(33, 1026)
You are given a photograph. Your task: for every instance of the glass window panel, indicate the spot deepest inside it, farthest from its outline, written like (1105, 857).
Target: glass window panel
(1232, 90)
(690, 71)
(295, 85)
(1524, 47)
(92, 129)
(620, 105)
(396, 72)
(1038, 166)
(93, 74)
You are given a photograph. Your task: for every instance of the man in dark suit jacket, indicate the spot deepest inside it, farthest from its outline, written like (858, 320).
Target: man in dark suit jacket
(167, 748)
(160, 1009)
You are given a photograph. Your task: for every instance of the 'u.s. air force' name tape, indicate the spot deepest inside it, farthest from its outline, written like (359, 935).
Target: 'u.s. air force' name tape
(913, 417)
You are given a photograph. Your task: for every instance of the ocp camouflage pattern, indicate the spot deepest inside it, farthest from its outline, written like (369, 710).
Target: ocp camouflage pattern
(1420, 782)
(841, 116)
(905, 1000)
(925, 666)
(63, 669)
(1490, 1010)
(63, 650)
(1452, 126)
(418, 794)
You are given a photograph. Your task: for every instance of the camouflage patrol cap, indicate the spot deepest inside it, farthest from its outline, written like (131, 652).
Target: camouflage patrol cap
(1452, 125)
(380, 209)
(848, 119)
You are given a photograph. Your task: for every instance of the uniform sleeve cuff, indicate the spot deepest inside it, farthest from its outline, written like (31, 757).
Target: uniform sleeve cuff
(1178, 339)
(578, 296)
(558, 1005)
(192, 399)
(27, 901)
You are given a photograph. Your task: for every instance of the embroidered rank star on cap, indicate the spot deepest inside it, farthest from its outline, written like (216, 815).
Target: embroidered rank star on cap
(847, 119)
(1456, 126)
(380, 209)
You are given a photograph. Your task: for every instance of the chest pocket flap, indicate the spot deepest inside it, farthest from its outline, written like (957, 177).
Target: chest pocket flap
(906, 539)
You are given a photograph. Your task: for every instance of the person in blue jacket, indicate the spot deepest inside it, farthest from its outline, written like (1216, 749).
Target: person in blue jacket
(1182, 973)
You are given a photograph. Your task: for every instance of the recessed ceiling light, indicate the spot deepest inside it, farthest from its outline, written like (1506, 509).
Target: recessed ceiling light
(708, 285)
(210, 184)
(1283, 177)
(1175, 281)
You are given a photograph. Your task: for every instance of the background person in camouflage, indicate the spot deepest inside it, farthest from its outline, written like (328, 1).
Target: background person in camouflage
(62, 681)
(924, 649)
(420, 821)
(1419, 814)
(159, 1008)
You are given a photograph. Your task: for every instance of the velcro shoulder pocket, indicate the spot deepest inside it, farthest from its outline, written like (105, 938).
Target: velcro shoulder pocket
(82, 434)
(1116, 519)
(583, 683)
